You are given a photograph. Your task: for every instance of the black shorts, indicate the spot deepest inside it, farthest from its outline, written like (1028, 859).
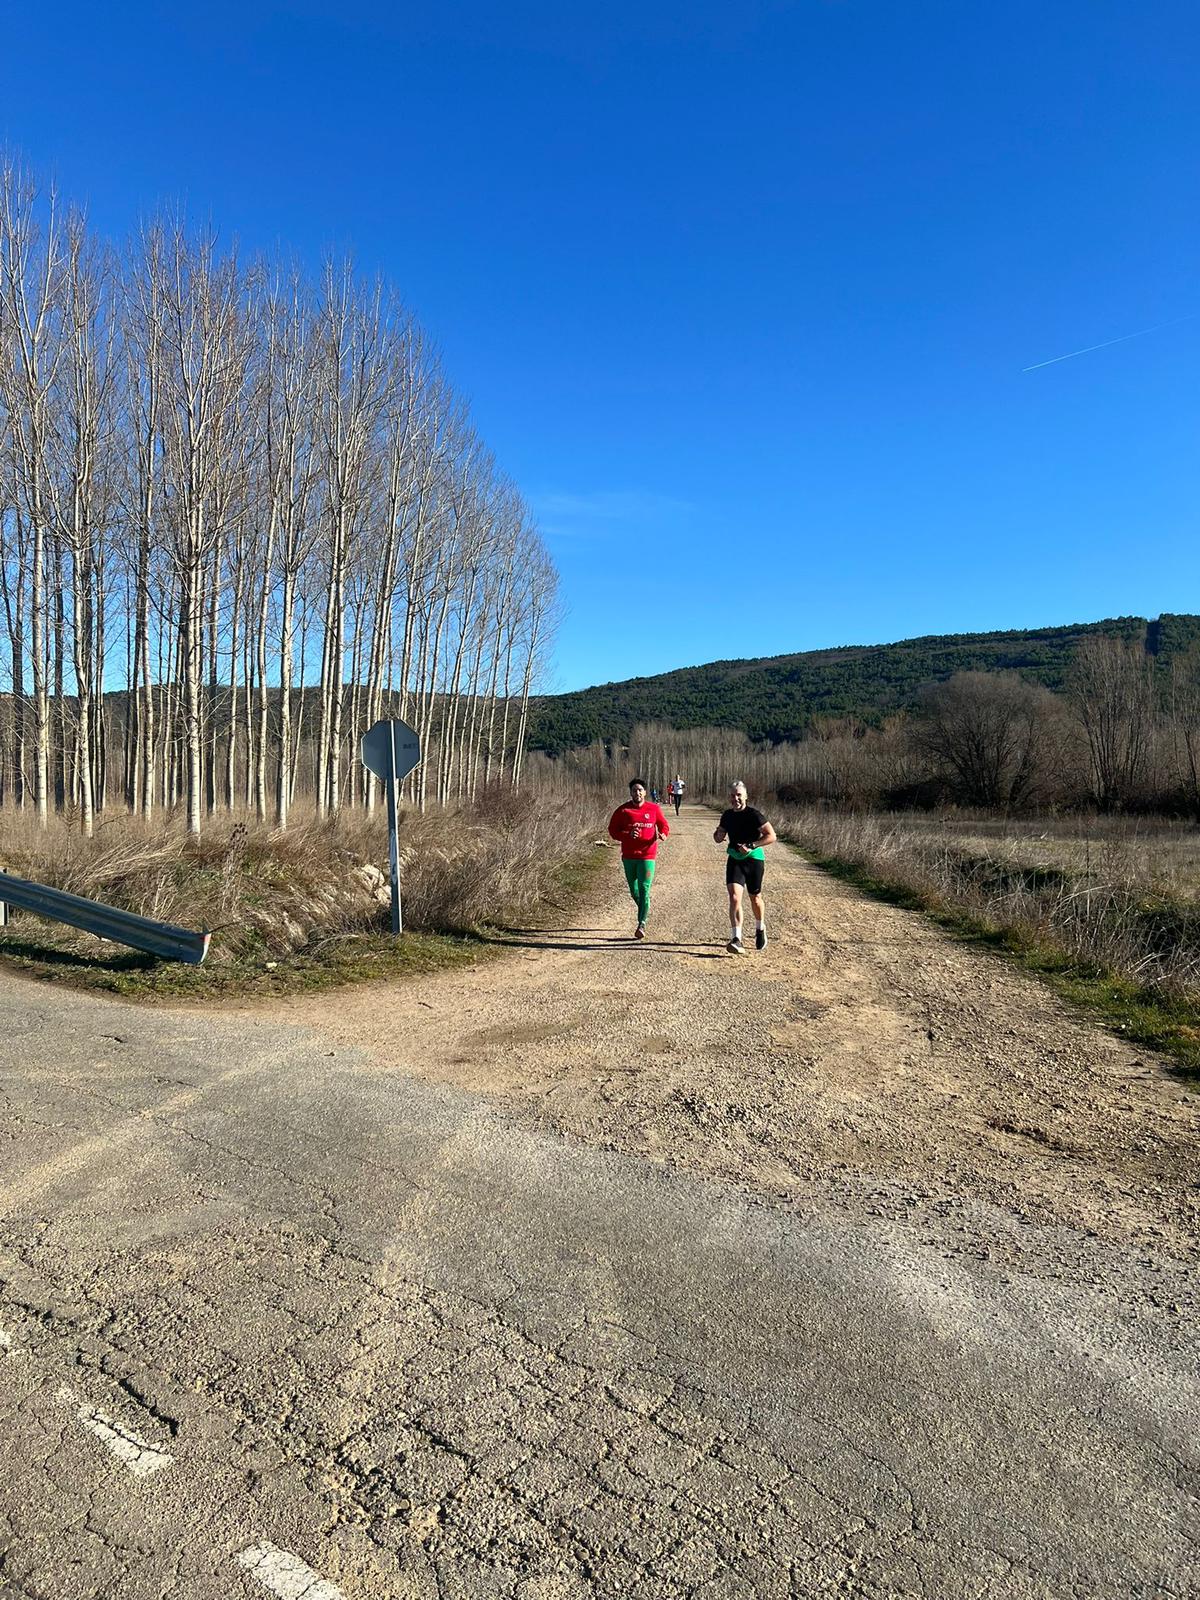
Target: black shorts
(748, 872)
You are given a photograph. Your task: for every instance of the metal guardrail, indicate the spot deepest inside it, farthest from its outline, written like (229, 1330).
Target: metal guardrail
(109, 922)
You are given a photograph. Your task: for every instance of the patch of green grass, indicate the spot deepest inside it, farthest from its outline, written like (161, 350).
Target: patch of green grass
(1138, 1014)
(577, 882)
(325, 964)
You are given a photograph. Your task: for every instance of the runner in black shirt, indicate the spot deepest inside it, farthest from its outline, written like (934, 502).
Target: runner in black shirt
(746, 831)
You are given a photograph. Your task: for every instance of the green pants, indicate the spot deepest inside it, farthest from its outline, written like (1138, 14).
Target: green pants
(639, 875)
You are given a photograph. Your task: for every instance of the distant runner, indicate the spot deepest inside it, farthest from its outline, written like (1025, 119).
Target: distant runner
(747, 832)
(677, 788)
(639, 824)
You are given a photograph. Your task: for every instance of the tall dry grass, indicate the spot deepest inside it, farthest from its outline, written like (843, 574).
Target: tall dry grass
(1118, 901)
(268, 893)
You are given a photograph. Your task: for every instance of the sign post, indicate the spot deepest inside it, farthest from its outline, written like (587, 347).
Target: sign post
(391, 750)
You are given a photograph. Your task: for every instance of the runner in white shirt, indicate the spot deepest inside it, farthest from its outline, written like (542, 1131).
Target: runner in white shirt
(676, 792)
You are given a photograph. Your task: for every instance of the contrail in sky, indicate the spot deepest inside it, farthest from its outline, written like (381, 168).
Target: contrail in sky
(1104, 344)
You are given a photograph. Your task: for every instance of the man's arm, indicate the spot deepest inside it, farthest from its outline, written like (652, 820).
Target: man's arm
(720, 835)
(661, 823)
(616, 824)
(766, 835)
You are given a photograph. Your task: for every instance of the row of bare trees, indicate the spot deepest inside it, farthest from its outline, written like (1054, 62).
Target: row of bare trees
(1123, 735)
(242, 516)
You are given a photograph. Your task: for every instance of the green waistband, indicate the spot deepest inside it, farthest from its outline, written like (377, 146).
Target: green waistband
(745, 855)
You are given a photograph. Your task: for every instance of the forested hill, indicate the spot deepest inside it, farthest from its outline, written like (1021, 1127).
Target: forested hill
(775, 697)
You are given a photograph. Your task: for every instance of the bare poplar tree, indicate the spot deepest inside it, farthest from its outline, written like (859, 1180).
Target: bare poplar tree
(1184, 716)
(1111, 687)
(32, 274)
(77, 489)
(204, 366)
(353, 364)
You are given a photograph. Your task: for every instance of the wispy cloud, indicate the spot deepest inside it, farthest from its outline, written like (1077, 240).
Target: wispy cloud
(1104, 343)
(572, 515)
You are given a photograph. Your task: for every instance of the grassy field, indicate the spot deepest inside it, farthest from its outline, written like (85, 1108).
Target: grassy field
(1106, 909)
(297, 911)
(1151, 855)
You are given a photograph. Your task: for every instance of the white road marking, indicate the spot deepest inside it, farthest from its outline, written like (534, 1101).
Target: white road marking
(286, 1575)
(141, 1458)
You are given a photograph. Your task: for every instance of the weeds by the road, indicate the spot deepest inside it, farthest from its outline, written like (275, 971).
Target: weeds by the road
(1109, 921)
(297, 910)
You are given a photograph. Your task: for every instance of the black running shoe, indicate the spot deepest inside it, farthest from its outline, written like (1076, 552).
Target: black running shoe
(760, 938)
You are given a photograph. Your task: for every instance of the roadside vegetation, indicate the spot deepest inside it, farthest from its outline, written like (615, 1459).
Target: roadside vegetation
(301, 909)
(1106, 909)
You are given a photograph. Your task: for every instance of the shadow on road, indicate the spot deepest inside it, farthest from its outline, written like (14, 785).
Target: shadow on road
(605, 940)
(47, 956)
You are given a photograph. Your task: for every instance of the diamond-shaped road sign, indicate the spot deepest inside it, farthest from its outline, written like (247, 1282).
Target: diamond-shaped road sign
(390, 749)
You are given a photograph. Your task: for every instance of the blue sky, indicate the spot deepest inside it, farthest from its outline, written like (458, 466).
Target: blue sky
(741, 293)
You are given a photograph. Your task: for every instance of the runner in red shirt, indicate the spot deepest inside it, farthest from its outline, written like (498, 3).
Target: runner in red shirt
(639, 824)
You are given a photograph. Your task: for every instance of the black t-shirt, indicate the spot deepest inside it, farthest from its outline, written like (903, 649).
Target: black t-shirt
(744, 826)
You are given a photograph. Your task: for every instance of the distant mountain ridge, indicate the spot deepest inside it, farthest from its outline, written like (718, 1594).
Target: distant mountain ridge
(776, 697)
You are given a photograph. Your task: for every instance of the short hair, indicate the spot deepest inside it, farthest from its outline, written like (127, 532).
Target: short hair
(642, 781)
(736, 785)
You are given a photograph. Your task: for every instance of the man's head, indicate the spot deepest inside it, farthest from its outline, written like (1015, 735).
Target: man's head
(737, 795)
(637, 791)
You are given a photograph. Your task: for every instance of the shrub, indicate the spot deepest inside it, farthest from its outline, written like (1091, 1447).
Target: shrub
(267, 893)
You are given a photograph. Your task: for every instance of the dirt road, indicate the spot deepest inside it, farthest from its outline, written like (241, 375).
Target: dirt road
(864, 1060)
(856, 1268)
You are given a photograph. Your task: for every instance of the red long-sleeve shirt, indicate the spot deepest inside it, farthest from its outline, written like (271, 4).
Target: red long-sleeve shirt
(638, 828)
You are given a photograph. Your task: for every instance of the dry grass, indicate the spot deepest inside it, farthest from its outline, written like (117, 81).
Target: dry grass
(1146, 855)
(1116, 904)
(270, 895)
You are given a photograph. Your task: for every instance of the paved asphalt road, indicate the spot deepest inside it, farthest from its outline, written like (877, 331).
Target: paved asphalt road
(275, 1322)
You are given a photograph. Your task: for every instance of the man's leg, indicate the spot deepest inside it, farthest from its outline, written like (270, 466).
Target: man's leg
(632, 875)
(644, 884)
(735, 912)
(758, 906)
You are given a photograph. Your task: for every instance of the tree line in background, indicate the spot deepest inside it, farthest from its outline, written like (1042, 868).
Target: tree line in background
(242, 516)
(1120, 736)
(776, 698)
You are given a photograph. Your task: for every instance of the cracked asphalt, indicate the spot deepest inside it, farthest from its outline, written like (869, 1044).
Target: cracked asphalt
(404, 1292)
